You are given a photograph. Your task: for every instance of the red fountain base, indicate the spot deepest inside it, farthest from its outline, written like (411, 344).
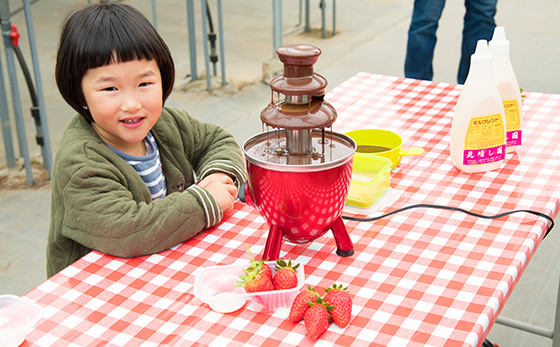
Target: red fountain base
(300, 203)
(344, 246)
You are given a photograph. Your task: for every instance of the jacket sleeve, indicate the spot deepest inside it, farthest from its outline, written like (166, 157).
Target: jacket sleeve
(102, 214)
(213, 149)
(210, 206)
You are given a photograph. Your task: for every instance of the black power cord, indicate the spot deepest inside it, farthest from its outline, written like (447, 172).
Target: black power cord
(32, 94)
(487, 343)
(212, 39)
(370, 219)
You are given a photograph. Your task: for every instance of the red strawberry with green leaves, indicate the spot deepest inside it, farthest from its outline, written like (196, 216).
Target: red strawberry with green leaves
(341, 301)
(285, 276)
(317, 318)
(257, 276)
(266, 270)
(255, 281)
(301, 303)
(259, 265)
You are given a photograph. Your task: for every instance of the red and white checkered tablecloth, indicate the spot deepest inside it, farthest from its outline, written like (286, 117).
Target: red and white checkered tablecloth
(423, 277)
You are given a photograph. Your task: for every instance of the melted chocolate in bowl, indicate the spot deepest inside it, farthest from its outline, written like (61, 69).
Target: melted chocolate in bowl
(371, 149)
(269, 150)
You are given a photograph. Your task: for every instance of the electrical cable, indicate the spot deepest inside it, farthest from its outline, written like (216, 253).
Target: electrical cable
(371, 219)
(212, 39)
(487, 343)
(27, 76)
(32, 92)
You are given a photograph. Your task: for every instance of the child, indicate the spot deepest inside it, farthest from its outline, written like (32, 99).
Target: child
(131, 177)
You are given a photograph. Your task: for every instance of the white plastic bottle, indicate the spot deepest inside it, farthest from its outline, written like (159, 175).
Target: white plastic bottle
(509, 88)
(478, 131)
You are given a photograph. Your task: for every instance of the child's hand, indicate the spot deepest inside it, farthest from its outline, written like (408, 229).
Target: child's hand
(221, 186)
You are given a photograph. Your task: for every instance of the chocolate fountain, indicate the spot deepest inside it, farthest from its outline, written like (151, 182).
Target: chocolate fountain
(299, 172)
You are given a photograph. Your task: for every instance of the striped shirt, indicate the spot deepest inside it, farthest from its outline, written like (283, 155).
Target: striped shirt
(148, 167)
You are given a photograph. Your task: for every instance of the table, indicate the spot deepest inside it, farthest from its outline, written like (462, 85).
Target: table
(423, 277)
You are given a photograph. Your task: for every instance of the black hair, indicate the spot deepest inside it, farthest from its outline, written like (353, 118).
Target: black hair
(99, 35)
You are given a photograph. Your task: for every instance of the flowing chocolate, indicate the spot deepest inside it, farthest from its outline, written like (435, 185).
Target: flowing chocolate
(301, 106)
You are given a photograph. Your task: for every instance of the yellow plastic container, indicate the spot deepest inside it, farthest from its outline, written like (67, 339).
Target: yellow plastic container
(370, 179)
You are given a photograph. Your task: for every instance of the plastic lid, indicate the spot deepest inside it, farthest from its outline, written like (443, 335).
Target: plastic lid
(499, 43)
(481, 56)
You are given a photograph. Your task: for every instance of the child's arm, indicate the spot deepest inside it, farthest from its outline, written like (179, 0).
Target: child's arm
(107, 210)
(210, 148)
(214, 154)
(221, 186)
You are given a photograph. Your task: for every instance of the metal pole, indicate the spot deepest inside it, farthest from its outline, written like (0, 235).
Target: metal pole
(556, 339)
(323, 14)
(206, 50)
(44, 129)
(276, 25)
(154, 19)
(20, 126)
(192, 38)
(221, 37)
(333, 17)
(6, 124)
(300, 13)
(512, 323)
(307, 26)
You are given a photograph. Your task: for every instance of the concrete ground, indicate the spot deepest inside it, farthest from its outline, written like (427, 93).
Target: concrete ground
(371, 36)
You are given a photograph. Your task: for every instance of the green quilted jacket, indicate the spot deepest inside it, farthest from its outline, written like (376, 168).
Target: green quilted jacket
(99, 202)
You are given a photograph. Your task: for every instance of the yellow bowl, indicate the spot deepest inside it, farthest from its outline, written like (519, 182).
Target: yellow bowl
(383, 143)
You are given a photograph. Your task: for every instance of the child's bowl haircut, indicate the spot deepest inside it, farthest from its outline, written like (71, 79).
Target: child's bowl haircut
(101, 35)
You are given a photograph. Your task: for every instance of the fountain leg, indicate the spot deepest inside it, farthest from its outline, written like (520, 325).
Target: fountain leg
(273, 243)
(344, 245)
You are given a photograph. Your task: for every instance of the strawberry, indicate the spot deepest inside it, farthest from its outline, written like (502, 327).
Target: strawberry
(256, 277)
(266, 270)
(259, 264)
(260, 283)
(255, 281)
(316, 318)
(285, 276)
(340, 299)
(301, 303)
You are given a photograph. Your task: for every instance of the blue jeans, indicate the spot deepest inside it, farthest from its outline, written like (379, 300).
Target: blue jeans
(478, 24)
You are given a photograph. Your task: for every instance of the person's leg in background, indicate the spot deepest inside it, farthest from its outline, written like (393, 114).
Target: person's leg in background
(422, 39)
(478, 24)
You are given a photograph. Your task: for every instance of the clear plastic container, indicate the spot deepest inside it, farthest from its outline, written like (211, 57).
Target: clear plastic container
(370, 179)
(17, 316)
(215, 286)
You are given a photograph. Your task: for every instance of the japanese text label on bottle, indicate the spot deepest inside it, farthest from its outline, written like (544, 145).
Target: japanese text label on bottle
(513, 123)
(484, 140)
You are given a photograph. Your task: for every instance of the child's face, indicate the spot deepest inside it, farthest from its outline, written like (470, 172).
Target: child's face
(125, 101)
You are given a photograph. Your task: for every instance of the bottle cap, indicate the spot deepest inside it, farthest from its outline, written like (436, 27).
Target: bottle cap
(499, 43)
(481, 56)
